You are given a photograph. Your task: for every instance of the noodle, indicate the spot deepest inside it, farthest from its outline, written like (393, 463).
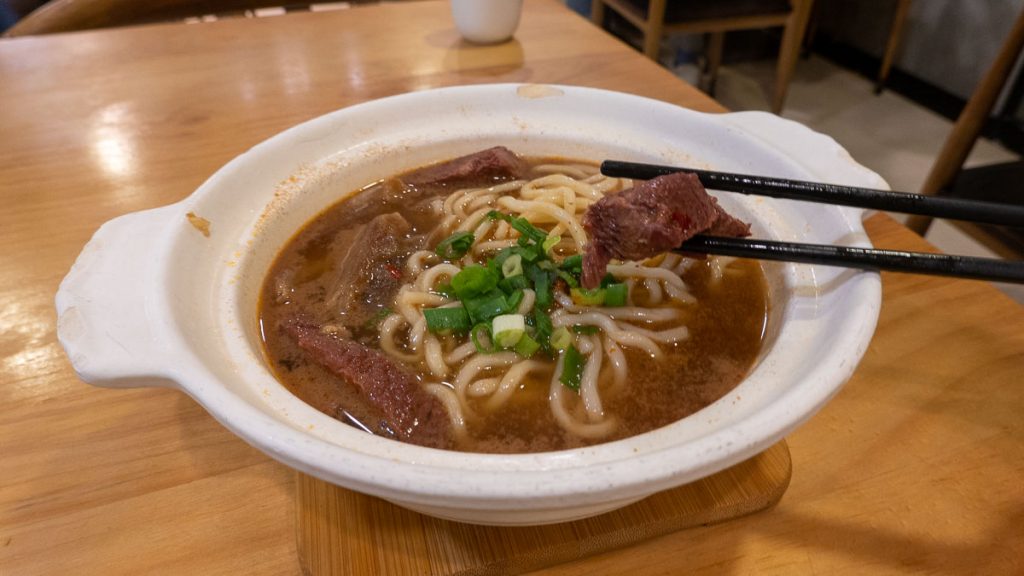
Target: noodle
(472, 383)
(444, 306)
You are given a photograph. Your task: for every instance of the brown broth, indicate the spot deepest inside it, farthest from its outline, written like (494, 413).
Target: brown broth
(726, 331)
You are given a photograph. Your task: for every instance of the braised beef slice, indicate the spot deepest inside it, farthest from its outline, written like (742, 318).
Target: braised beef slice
(412, 414)
(650, 218)
(416, 189)
(373, 200)
(496, 164)
(371, 271)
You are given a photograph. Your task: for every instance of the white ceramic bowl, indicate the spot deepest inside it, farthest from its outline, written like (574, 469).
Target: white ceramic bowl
(152, 301)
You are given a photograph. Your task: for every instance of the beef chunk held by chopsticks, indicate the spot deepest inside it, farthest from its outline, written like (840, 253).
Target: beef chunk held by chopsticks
(650, 218)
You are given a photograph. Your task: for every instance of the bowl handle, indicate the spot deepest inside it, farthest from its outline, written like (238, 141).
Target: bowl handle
(110, 320)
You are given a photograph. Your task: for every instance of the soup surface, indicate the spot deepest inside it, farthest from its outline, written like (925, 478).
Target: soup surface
(383, 312)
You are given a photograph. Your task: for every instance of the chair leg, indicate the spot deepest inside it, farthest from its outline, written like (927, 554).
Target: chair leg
(597, 13)
(968, 126)
(896, 30)
(789, 50)
(713, 54)
(655, 27)
(813, 20)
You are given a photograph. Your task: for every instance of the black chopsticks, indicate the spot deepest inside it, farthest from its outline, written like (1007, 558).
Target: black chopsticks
(861, 258)
(845, 256)
(950, 208)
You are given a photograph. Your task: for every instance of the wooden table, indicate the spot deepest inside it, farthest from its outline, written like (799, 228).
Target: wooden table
(917, 465)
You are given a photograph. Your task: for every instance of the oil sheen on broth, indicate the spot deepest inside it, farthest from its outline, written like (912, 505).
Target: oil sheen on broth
(352, 271)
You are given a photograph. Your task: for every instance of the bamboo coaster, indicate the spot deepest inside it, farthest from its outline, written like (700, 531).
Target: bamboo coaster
(341, 532)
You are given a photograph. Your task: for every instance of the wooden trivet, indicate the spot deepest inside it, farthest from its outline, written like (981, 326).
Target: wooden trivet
(341, 532)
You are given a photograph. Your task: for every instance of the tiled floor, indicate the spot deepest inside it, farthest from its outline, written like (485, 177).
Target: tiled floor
(887, 133)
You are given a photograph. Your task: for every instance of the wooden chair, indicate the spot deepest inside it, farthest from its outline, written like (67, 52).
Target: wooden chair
(892, 45)
(655, 18)
(968, 126)
(70, 15)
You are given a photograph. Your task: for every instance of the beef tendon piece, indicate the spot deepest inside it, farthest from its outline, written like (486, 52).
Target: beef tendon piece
(651, 218)
(371, 271)
(412, 414)
(497, 164)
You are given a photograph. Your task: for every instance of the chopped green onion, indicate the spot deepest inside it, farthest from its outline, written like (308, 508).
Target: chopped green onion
(529, 230)
(508, 329)
(487, 306)
(581, 329)
(474, 336)
(514, 299)
(513, 284)
(455, 246)
(561, 338)
(608, 279)
(512, 266)
(615, 294)
(473, 281)
(522, 225)
(572, 368)
(568, 278)
(499, 258)
(528, 253)
(573, 264)
(542, 323)
(583, 297)
(454, 319)
(541, 287)
(550, 242)
(527, 347)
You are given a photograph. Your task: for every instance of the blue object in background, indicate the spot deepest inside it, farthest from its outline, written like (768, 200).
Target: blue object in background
(581, 6)
(8, 17)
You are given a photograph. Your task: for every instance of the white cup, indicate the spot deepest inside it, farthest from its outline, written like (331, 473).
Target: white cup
(486, 21)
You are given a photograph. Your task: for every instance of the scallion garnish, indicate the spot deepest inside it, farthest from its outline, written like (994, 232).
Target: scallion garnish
(507, 329)
(474, 280)
(615, 295)
(572, 368)
(550, 242)
(513, 284)
(499, 258)
(514, 299)
(528, 253)
(512, 266)
(485, 307)
(584, 297)
(474, 335)
(543, 328)
(568, 278)
(455, 246)
(541, 286)
(490, 296)
(527, 347)
(521, 225)
(573, 264)
(561, 338)
(454, 319)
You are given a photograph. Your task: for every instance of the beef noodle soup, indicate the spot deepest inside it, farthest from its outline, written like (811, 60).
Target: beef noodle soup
(444, 307)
